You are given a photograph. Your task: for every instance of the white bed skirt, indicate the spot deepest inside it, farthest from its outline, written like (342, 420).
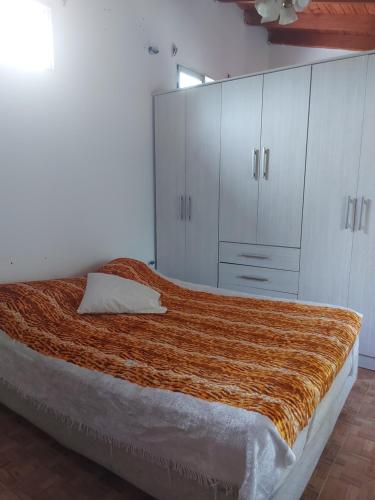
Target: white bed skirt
(165, 484)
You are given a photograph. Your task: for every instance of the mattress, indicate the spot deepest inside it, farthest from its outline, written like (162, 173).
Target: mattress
(327, 405)
(166, 484)
(236, 444)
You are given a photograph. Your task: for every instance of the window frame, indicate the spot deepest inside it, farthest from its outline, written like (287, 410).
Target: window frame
(195, 74)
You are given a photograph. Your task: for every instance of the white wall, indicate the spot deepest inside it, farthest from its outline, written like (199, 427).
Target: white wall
(286, 55)
(76, 174)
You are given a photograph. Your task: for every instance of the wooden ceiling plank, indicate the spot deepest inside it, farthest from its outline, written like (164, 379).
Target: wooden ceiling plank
(357, 23)
(312, 1)
(303, 38)
(328, 8)
(344, 24)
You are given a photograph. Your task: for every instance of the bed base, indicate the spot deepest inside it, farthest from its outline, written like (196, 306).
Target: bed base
(169, 485)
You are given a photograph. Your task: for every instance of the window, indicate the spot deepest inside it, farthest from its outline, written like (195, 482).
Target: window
(26, 40)
(189, 78)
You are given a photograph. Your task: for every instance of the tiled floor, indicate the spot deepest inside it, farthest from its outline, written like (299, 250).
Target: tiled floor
(34, 467)
(346, 470)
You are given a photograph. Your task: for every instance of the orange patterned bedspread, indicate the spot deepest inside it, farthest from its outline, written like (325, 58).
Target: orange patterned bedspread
(276, 358)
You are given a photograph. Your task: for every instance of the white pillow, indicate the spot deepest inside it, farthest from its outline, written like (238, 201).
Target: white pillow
(110, 294)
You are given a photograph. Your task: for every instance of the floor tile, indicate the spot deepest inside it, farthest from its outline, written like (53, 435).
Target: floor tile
(346, 470)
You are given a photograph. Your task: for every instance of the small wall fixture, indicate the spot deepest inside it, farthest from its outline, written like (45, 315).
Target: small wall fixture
(153, 50)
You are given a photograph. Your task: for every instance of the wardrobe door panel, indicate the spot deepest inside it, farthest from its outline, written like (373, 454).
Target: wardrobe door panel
(333, 155)
(362, 276)
(284, 134)
(240, 154)
(202, 183)
(170, 116)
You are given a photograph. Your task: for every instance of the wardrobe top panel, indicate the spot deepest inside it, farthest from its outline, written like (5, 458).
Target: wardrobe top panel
(273, 70)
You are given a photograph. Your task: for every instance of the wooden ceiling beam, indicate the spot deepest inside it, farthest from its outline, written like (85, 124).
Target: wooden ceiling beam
(252, 2)
(354, 24)
(341, 24)
(304, 38)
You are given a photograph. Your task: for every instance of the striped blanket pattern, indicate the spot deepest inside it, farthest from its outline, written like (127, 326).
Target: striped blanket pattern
(272, 357)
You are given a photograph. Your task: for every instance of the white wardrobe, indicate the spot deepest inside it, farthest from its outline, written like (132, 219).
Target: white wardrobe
(338, 243)
(187, 156)
(266, 184)
(263, 154)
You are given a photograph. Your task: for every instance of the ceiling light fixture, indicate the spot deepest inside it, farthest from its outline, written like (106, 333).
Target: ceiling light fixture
(285, 11)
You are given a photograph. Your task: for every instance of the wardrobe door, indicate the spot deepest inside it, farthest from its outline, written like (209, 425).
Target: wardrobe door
(240, 154)
(362, 276)
(170, 114)
(284, 134)
(333, 153)
(202, 183)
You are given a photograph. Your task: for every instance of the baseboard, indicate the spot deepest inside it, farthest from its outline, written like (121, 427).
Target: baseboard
(366, 362)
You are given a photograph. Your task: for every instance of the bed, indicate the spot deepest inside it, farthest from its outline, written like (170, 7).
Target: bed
(226, 396)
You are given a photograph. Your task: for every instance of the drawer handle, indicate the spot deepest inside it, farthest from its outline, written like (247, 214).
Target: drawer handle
(251, 256)
(253, 278)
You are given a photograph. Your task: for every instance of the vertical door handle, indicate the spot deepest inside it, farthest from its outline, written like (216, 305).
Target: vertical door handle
(255, 164)
(266, 163)
(355, 201)
(189, 208)
(348, 203)
(182, 208)
(351, 202)
(364, 204)
(360, 224)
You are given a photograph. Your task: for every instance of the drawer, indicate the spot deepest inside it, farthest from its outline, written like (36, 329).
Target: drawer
(260, 256)
(258, 277)
(259, 291)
